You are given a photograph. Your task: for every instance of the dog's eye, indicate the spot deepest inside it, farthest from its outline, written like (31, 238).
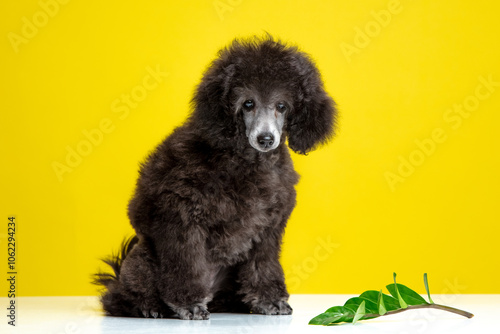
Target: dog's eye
(248, 105)
(281, 107)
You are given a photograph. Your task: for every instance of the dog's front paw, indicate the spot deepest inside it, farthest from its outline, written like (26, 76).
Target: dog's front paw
(280, 307)
(193, 312)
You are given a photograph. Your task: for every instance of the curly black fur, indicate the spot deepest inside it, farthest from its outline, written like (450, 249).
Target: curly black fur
(209, 209)
(115, 262)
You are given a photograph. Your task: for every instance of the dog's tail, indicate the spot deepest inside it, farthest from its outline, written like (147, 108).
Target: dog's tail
(115, 262)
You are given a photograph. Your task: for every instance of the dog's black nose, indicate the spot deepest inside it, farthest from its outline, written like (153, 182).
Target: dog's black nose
(265, 140)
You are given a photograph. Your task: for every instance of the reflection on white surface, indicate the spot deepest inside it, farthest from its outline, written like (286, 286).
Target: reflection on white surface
(218, 323)
(72, 315)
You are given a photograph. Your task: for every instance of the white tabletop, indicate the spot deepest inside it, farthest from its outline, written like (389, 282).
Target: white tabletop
(68, 315)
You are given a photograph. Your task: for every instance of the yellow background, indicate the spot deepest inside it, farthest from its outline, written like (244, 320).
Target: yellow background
(351, 228)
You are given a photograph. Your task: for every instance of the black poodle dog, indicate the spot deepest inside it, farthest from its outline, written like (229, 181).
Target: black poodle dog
(212, 201)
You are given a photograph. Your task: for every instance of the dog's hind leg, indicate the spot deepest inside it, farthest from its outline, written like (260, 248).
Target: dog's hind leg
(138, 276)
(116, 302)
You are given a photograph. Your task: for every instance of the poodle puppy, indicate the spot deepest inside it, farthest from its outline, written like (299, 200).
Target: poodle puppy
(212, 201)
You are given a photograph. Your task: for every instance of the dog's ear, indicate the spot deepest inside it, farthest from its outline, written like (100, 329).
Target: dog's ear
(211, 99)
(312, 121)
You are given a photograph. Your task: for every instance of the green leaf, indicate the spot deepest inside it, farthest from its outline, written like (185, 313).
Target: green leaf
(397, 295)
(381, 306)
(325, 319)
(345, 313)
(335, 309)
(334, 315)
(390, 302)
(427, 288)
(372, 304)
(360, 312)
(408, 296)
(350, 311)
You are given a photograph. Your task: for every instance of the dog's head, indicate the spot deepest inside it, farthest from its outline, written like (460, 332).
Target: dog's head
(264, 115)
(272, 90)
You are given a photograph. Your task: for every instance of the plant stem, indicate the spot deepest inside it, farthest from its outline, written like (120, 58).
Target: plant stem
(436, 306)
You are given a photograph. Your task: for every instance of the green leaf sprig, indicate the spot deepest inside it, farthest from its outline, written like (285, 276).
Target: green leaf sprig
(373, 304)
